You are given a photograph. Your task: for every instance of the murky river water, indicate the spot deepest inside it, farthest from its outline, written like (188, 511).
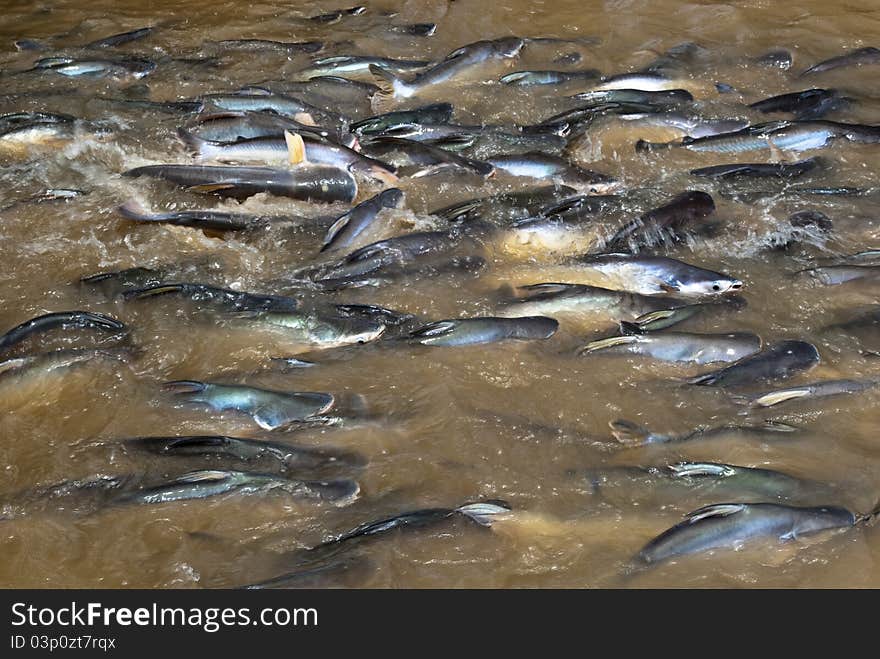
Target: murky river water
(518, 421)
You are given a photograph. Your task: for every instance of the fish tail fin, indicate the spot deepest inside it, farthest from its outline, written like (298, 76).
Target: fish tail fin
(194, 145)
(296, 148)
(484, 512)
(610, 342)
(627, 432)
(388, 84)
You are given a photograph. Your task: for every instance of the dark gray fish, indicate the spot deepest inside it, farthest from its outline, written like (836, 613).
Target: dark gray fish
(122, 38)
(114, 283)
(202, 219)
(777, 59)
(216, 482)
(269, 409)
(313, 183)
(223, 298)
(664, 98)
(396, 252)
(760, 170)
(778, 361)
(19, 131)
(347, 227)
(436, 113)
(531, 78)
(685, 211)
(478, 331)
(510, 206)
(429, 159)
(807, 104)
(457, 63)
(235, 126)
(630, 434)
(834, 275)
(245, 449)
(416, 29)
(482, 513)
(348, 572)
(61, 320)
(337, 15)
(259, 45)
(729, 525)
(860, 57)
(169, 107)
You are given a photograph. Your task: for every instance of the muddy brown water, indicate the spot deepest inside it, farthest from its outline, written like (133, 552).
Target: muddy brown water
(520, 422)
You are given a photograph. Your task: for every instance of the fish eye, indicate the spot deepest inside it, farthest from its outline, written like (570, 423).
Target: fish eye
(716, 287)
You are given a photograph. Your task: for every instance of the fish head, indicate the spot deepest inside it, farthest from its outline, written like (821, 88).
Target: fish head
(708, 287)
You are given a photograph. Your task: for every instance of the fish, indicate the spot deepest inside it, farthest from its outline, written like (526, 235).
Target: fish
(629, 434)
(435, 113)
(167, 107)
(807, 104)
(255, 99)
(346, 229)
(215, 482)
(654, 275)
(345, 573)
(543, 166)
(357, 65)
(245, 449)
(462, 61)
(648, 82)
(808, 391)
(834, 275)
(777, 361)
(680, 346)
(269, 409)
(235, 126)
(291, 149)
(512, 205)
(125, 67)
(337, 15)
(683, 211)
(577, 302)
(783, 170)
(223, 298)
(678, 480)
(427, 158)
(320, 329)
(664, 318)
(684, 125)
(114, 283)
(317, 183)
(122, 38)
(777, 59)
(16, 370)
(20, 131)
(858, 57)
(730, 525)
(533, 78)
(259, 45)
(63, 320)
(202, 218)
(482, 330)
(664, 98)
(392, 253)
(415, 29)
(784, 136)
(482, 513)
